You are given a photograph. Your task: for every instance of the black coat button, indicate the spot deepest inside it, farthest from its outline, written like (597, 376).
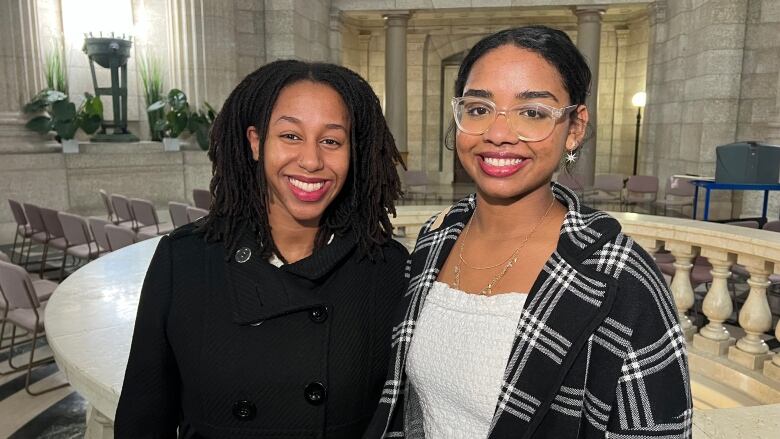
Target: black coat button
(319, 314)
(244, 410)
(315, 393)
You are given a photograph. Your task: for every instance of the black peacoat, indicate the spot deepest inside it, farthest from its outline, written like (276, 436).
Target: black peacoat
(236, 347)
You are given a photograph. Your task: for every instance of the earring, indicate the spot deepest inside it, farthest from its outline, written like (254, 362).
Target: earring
(571, 156)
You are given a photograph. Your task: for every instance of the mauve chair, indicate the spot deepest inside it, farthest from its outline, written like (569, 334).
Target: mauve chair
(119, 237)
(97, 227)
(23, 228)
(80, 242)
(773, 226)
(146, 218)
(195, 213)
(641, 190)
(25, 310)
(607, 189)
(107, 205)
(39, 234)
(201, 198)
(122, 211)
(679, 193)
(178, 213)
(56, 235)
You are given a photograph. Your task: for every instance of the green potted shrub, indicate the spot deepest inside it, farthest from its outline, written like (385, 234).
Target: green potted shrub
(152, 82)
(63, 117)
(176, 120)
(200, 124)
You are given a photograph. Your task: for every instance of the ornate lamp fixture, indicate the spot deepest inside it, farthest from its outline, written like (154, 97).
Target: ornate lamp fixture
(111, 53)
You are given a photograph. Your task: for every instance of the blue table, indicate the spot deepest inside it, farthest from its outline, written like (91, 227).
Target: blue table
(710, 185)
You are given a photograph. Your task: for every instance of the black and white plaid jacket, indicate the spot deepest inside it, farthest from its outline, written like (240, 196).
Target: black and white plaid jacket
(598, 351)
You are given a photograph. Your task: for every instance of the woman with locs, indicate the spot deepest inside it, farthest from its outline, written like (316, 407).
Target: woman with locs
(528, 314)
(270, 317)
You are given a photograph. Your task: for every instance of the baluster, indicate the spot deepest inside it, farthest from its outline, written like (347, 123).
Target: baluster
(715, 338)
(755, 316)
(682, 291)
(772, 367)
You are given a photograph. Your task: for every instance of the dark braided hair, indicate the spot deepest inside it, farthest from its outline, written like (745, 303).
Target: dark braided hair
(239, 189)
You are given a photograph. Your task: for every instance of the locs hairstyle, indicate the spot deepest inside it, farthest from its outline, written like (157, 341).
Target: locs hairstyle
(238, 185)
(551, 44)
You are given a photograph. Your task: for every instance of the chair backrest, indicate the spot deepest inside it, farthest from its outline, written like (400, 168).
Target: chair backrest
(773, 226)
(644, 184)
(4, 257)
(143, 212)
(608, 182)
(16, 287)
(18, 211)
(415, 178)
(33, 214)
(679, 187)
(195, 213)
(106, 203)
(97, 226)
(178, 213)
(119, 237)
(76, 228)
(571, 181)
(52, 222)
(201, 198)
(122, 208)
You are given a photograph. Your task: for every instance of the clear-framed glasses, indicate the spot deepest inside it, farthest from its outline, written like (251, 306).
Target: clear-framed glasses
(531, 122)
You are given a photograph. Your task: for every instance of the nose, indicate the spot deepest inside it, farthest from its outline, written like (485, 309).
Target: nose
(309, 157)
(500, 132)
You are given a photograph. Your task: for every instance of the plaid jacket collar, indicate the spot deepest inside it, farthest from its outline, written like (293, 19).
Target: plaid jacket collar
(568, 301)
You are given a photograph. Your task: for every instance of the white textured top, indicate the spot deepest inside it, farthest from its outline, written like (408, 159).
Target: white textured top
(457, 358)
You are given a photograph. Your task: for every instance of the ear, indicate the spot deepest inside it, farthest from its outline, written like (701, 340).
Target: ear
(578, 127)
(254, 142)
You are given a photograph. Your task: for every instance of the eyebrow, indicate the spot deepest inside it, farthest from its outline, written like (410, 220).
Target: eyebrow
(295, 120)
(523, 96)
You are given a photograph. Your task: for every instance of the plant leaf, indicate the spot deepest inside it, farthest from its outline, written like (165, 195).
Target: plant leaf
(40, 124)
(63, 110)
(159, 105)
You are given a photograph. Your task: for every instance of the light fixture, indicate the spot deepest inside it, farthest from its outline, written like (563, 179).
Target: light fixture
(638, 100)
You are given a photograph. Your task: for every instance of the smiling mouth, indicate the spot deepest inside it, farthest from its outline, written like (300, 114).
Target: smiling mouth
(306, 186)
(501, 162)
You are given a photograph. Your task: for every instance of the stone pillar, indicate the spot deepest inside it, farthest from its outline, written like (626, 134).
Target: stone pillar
(395, 77)
(21, 75)
(334, 33)
(589, 43)
(715, 338)
(755, 317)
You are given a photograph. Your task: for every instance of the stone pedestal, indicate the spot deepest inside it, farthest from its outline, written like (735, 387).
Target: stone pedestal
(710, 346)
(98, 425)
(772, 370)
(751, 361)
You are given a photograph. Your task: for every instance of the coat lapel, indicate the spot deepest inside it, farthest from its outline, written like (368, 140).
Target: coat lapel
(567, 302)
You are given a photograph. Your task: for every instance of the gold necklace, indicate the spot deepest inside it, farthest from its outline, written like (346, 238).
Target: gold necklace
(488, 290)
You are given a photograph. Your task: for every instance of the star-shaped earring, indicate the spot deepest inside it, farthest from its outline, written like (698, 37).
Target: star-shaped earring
(571, 157)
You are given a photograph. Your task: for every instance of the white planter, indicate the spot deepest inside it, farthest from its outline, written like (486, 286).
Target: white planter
(70, 146)
(171, 144)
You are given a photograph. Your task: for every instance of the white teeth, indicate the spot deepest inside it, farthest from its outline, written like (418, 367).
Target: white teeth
(502, 162)
(308, 187)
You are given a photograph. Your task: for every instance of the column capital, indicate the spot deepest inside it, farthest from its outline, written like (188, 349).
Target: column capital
(589, 13)
(336, 19)
(397, 18)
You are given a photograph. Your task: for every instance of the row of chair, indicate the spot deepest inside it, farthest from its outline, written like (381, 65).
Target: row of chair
(632, 191)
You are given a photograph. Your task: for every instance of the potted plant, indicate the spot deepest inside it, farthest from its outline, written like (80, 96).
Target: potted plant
(176, 118)
(200, 124)
(63, 117)
(152, 82)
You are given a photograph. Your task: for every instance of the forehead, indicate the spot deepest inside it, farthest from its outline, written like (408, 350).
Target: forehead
(316, 99)
(509, 70)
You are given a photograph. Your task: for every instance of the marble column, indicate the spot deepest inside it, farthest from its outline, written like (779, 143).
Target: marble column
(589, 43)
(335, 28)
(773, 135)
(395, 77)
(22, 73)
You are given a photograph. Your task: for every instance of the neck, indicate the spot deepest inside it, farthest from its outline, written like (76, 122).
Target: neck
(293, 240)
(499, 218)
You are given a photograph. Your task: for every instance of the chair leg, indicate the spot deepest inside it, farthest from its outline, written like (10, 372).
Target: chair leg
(31, 364)
(14, 369)
(43, 259)
(29, 249)
(13, 249)
(62, 267)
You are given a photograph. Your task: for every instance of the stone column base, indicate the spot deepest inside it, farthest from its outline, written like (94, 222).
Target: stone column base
(98, 425)
(772, 370)
(751, 361)
(714, 347)
(689, 332)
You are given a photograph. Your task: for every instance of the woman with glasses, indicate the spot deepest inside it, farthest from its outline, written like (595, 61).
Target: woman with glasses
(269, 318)
(527, 313)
